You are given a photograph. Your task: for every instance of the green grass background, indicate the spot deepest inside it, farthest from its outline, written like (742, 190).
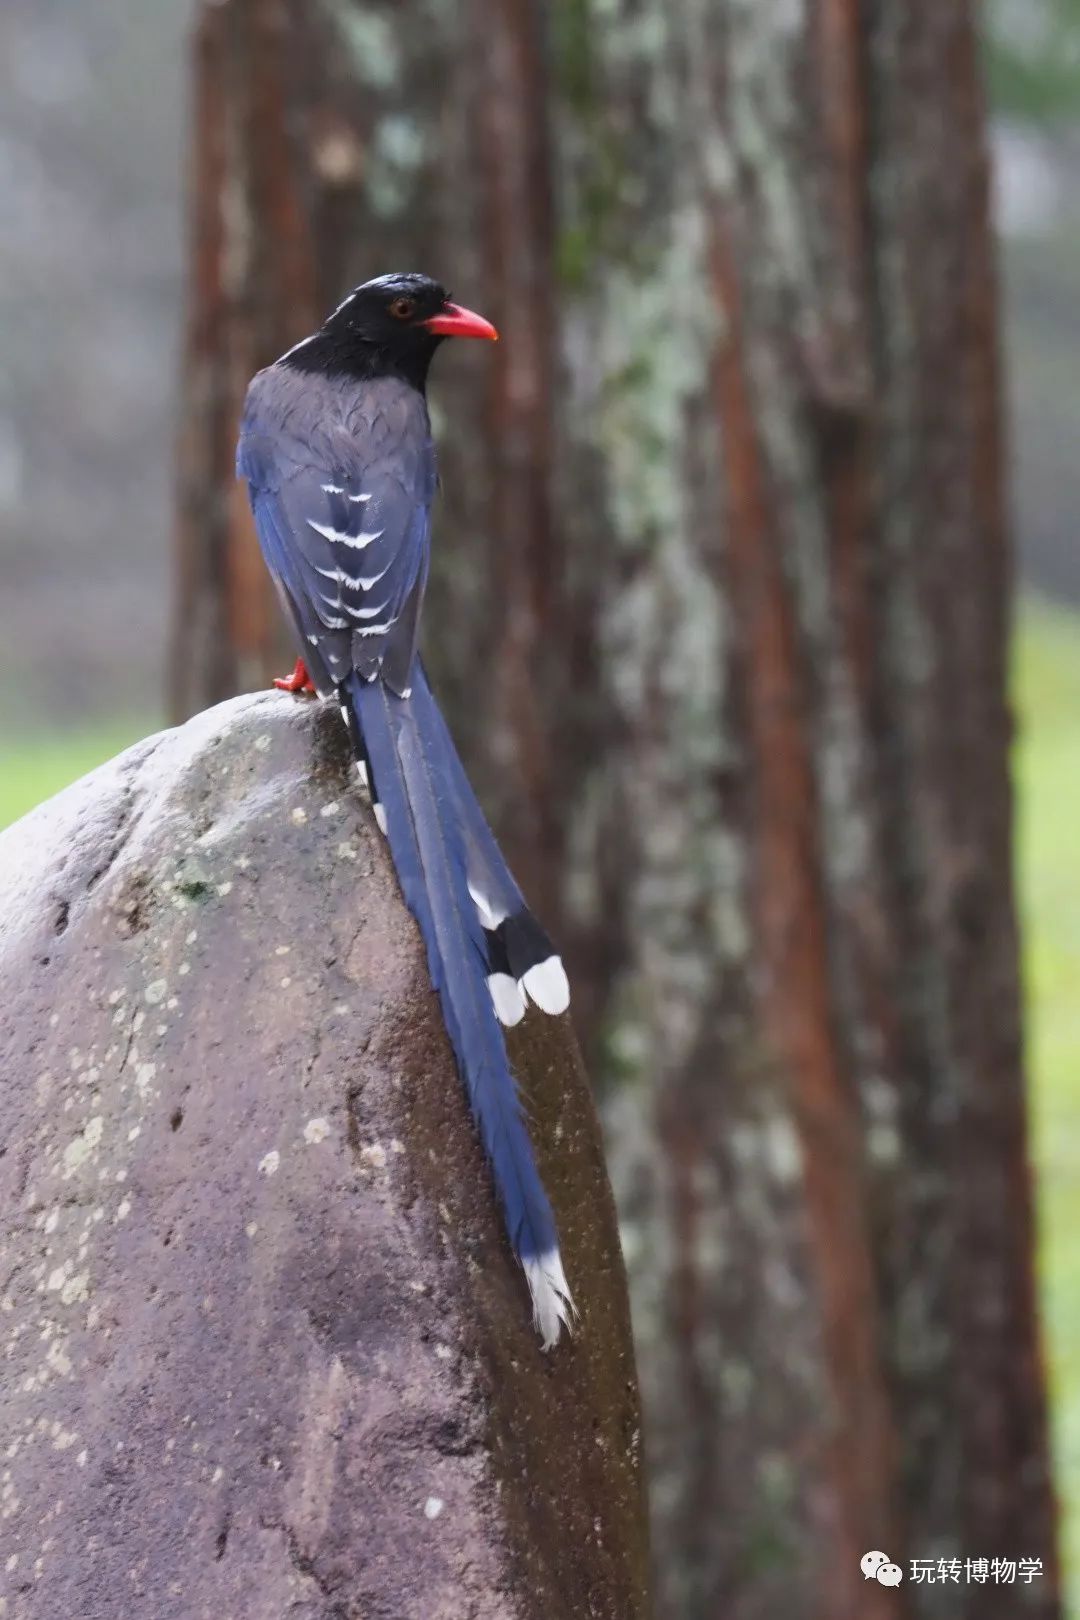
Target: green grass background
(1046, 690)
(34, 767)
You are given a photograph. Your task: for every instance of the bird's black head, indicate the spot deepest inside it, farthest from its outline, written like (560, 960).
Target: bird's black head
(389, 327)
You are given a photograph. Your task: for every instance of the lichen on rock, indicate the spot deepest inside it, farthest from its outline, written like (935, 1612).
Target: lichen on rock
(266, 1351)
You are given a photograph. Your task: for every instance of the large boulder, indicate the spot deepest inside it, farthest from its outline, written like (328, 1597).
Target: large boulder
(266, 1352)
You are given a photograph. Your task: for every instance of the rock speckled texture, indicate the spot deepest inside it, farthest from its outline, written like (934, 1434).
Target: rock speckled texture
(265, 1351)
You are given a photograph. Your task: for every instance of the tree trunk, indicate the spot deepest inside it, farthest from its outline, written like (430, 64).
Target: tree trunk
(723, 555)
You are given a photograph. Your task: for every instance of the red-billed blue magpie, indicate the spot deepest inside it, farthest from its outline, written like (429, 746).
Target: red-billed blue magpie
(337, 452)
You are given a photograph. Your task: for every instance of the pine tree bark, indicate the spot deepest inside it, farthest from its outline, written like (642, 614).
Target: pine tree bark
(720, 615)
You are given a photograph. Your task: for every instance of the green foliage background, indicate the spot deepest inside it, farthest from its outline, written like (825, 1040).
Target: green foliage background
(1033, 58)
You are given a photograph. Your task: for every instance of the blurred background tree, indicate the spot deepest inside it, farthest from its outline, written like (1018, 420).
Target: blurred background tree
(722, 550)
(707, 511)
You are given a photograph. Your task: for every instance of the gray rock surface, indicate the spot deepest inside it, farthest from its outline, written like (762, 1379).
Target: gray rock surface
(265, 1351)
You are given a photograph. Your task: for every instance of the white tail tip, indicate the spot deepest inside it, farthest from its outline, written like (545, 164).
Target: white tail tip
(507, 998)
(553, 1309)
(546, 984)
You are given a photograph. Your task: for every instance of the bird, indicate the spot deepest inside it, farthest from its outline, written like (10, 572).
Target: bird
(337, 452)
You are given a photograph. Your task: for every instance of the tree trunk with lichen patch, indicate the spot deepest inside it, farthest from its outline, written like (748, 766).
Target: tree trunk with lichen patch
(723, 552)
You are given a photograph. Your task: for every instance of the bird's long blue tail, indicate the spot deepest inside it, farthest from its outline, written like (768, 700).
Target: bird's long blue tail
(429, 816)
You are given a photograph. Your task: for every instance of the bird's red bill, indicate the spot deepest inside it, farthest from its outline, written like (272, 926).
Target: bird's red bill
(454, 321)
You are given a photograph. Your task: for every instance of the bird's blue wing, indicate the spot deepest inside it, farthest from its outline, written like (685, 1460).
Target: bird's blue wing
(341, 476)
(343, 519)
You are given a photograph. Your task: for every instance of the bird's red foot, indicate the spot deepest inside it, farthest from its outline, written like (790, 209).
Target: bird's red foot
(298, 681)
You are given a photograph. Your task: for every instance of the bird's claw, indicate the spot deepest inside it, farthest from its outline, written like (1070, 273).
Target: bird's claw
(298, 681)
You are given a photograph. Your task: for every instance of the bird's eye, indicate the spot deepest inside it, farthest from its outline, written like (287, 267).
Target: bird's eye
(402, 308)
